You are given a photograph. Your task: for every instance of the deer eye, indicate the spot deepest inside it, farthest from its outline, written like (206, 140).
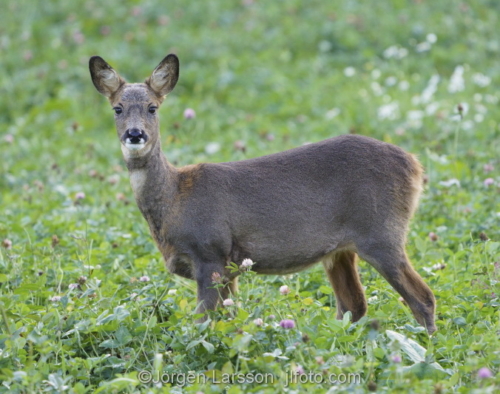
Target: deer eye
(152, 110)
(118, 110)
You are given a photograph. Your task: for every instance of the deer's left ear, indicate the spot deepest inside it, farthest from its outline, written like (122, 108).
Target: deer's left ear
(165, 76)
(105, 79)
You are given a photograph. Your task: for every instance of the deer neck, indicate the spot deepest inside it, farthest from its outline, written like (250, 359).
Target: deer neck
(154, 183)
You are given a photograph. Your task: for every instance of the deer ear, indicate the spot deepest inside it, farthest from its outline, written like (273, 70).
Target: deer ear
(165, 76)
(105, 79)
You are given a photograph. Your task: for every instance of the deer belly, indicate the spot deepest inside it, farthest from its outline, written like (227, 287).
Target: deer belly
(288, 261)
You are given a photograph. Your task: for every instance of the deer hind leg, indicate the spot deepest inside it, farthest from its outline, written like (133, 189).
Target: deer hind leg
(343, 275)
(395, 267)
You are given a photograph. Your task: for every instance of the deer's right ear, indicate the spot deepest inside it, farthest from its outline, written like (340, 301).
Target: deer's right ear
(105, 79)
(165, 75)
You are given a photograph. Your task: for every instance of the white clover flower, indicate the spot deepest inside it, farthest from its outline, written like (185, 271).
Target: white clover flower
(430, 89)
(404, 85)
(395, 52)
(423, 47)
(247, 263)
(450, 182)
(284, 290)
(349, 71)
(431, 38)
(228, 302)
(299, 370)
(481, 80)
(488, 182)
(332, 113)
(212, 147)
(391, 81)
(388, 111)
(189, 113)
(438, 267)
(457, 83)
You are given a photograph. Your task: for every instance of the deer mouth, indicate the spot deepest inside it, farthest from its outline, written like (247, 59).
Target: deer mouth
(135, 144)
(134, 140)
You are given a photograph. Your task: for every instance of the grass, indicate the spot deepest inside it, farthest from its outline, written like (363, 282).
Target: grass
(85, 302)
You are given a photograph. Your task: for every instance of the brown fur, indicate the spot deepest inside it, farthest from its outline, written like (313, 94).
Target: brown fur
(343, 275)
(328, 201)
(187, 179)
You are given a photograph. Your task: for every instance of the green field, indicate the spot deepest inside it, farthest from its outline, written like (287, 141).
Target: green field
(86, 304)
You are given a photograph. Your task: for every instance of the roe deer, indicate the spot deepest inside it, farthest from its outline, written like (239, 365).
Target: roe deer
(327, 201)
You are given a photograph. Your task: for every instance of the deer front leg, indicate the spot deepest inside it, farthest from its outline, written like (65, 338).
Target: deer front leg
(208, 276)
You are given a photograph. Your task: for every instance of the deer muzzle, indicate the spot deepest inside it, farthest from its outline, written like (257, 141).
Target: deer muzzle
(134, 138)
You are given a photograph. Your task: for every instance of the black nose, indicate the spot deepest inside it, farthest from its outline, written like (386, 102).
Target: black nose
(134, 135)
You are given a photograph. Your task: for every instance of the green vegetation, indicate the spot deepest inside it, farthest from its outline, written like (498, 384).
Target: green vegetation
(85, 301)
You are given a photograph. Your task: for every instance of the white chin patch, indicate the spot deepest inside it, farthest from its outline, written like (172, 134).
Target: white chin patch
(134, 147)
(131, 151)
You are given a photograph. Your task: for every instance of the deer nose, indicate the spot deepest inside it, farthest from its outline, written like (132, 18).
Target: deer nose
(134, 135)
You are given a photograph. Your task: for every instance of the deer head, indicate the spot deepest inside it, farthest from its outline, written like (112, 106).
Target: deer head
(136, 104)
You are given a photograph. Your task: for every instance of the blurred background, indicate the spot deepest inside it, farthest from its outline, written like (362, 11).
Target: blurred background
(256, 77)
(253, 72)
(259, 77)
